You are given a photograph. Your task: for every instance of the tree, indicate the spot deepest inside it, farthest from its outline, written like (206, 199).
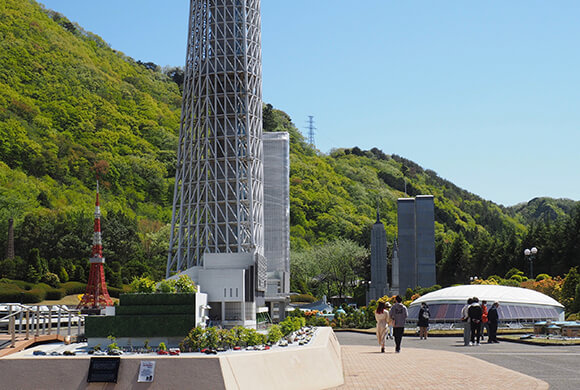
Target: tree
(571, 281)
(454, 268)
(37, 266)
(303, 270)
(342, 263)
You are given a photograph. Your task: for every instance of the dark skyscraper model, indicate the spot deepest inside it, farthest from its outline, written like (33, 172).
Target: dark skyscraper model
(416, 238)
(379, 282)
(217, 221)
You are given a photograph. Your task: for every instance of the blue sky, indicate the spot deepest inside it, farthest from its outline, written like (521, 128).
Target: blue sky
(484, 93)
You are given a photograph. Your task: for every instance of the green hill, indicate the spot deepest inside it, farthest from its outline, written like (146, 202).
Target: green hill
(71, 107)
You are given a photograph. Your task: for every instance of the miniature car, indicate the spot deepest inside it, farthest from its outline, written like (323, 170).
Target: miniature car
(162, 352)
(174, 351)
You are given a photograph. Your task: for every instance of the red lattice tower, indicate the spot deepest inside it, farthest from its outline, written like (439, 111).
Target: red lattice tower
(96, 295)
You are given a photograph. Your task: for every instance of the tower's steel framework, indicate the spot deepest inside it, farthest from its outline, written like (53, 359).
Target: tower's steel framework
(218, 198)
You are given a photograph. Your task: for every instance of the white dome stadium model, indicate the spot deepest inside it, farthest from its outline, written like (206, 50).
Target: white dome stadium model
(516, 304)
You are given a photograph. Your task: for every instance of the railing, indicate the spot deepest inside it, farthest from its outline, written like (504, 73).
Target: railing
(36, 320)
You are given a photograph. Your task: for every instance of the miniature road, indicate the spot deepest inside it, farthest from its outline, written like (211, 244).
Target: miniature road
(556, 365)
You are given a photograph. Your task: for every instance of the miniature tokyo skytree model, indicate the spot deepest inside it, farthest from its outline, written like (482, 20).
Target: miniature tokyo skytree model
(96, 295)
(218, 207)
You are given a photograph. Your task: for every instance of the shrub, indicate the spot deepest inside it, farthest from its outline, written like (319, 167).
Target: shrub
(165, 287)
(162, 347)
(192, 342)
(316, 321)
(238, 336)
(274, 334)
(291, 324)
(10, 293)
(573, 317)
(302, 298)
(226, 338)
(55, 294)
(63, 275)
(143, 284)
(296, 313)
(113, 344)
(210, 338)
(51, 279)
(114, 291)
(74, 287)
(35, 295)
(184, 284)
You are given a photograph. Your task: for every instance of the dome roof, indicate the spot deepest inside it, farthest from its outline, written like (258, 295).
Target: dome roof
(488, 292)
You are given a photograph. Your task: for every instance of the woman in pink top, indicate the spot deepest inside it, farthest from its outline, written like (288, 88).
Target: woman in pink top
(383, 319)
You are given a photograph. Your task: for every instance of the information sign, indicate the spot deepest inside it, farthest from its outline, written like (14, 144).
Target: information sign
(104, 369)
(146, 371)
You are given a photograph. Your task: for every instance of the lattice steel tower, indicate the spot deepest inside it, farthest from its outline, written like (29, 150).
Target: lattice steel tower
(218, 199)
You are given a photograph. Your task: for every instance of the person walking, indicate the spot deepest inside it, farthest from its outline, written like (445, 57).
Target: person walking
(423, 321)
(383, 318)
(475, 312)
(492, 320)
(398, 314)
(466, 324)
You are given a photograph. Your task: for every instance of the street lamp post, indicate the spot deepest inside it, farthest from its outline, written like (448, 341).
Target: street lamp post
(530, 254)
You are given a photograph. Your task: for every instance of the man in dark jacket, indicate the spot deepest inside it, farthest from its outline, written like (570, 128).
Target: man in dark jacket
(475, 312)
(398, 315)
(493, 319)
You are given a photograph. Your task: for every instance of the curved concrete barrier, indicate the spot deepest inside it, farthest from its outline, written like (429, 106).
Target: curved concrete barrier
(317, 365)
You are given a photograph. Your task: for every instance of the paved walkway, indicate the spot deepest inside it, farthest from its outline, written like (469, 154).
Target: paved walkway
(366, 368)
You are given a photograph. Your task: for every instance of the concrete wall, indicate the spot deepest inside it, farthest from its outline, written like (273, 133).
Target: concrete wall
(314, 366)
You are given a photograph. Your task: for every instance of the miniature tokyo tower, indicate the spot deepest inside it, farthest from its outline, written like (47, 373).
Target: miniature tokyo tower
(96, 295)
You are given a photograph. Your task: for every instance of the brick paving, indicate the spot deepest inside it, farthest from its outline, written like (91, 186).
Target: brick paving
(366, 368)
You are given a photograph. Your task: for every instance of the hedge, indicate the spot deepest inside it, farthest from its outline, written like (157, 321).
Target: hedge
(74, 287)
(139, 326)
(155, 309)
(14, 294)
(33, 296)
(10, 294)
(114, 291)
(55, 294)
(157, 299)
(302, 298)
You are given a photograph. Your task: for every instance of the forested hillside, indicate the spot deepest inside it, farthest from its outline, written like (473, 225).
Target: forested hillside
(71, 107)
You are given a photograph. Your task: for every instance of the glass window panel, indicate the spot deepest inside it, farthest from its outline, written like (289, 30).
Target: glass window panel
(520, 312)
(535, 312)
(457, 311)
(508, 310)
(441, 311)
(501, 311)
